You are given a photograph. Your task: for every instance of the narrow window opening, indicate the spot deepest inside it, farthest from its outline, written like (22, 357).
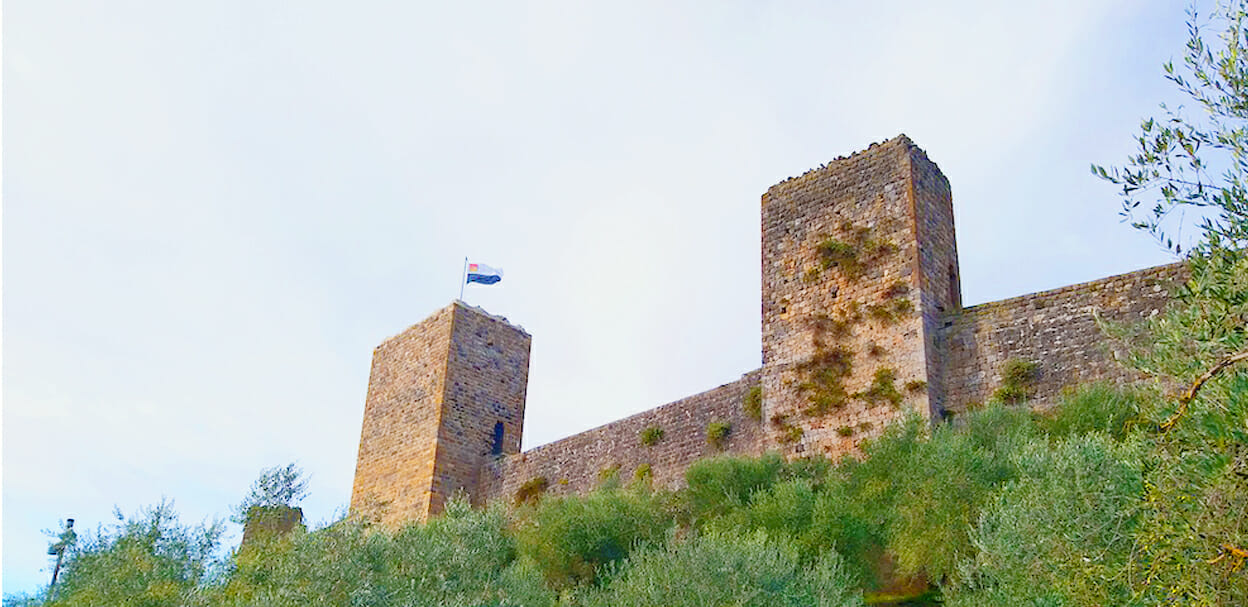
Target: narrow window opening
(497, 447)
(955, 298)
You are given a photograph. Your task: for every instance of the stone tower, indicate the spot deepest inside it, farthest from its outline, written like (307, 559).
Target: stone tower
(859, 265)
(445, 397)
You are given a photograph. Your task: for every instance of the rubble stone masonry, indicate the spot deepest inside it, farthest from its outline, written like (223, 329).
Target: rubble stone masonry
(579, 463)
(1058, 330)
(862, 322)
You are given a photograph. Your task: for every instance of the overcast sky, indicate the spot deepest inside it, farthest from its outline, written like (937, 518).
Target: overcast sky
(213, 211)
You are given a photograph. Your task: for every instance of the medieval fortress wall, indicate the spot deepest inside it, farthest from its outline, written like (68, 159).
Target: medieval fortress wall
(862, 322)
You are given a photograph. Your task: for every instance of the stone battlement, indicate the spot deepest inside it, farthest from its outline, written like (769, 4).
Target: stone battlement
(862, 322)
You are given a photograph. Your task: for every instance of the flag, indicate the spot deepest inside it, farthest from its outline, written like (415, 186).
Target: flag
(479, 272)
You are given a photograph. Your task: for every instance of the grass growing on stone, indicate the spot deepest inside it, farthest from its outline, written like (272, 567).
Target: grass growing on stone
(717, 434)
(1018, 379)
(531, 490)
(651, 435)
(883, 388)
(752, 405)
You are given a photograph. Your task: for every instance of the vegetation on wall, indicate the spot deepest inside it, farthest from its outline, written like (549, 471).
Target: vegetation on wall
(853, 250)
(529, 491)
(752, 405)
(643, 473)
(609, 475)
(826, 372)
(883, 388)
(788, 432)
(717, 434)
(1018, 380)
(651, 435)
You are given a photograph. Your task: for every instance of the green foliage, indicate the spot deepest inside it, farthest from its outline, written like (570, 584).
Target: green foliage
(720, 569)
(279, 486)
(1196, 161)
(717, 434)
(825, 386)
(643, 473)
(837, 254)
(846, 431)
(147, 560)
(464, 557)
(1018, 379)
(1099, 407)
(651, 435)
(944, 484)
(855, 253)
(916, 385)
(1062, 533)
(715, 486)
(891, 311)
(531, 490)
(883, 388)
(753, 403)
(789, 433)
(570, 539)
(609, 476)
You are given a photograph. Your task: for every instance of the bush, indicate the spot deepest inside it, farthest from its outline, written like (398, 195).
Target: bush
(1100, 407)
(716, 486)
(942, 489)
(147, 560)
(717, 434)
(883, 388)
(783, 510)
(1018, 378)
(643, 473)
(716, 569)
(753, 403)
(1062, 533)
(531, 490)
(464, 557)
(650, 435)
(570, 539)
(838, 520)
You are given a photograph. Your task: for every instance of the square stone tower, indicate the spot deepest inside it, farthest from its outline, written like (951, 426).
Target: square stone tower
(859, 265)
(444, 397)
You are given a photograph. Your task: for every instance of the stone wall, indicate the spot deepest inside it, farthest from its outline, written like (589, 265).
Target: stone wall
(855, 317)
(576, 464)
(398, 442)
(1056, 329)
(940, 283)
(487, 377)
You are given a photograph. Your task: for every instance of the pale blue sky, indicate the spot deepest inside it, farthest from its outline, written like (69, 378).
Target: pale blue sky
(213, 211)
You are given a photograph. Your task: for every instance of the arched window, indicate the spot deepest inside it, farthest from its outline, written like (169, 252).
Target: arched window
(497, 447)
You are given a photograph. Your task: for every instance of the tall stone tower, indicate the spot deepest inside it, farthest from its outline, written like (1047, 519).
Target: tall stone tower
(444, 398)
(859, 266)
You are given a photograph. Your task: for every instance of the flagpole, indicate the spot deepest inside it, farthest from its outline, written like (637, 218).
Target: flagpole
(463, 277)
